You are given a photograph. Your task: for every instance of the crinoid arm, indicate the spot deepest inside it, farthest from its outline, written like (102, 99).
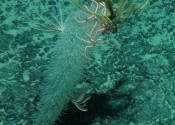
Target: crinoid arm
(90, 40)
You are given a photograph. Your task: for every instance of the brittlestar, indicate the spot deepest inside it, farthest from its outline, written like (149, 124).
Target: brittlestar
(91, 41)
(95, 15)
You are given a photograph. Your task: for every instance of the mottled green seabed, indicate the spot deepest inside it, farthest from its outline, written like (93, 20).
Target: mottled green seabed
(134, 77)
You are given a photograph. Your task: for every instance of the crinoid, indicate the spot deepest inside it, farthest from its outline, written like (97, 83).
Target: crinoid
(53, 24)
(109, 14)
(98, 12)
(127, 9)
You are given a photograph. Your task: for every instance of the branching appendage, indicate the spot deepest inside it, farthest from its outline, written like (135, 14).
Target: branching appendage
(100, 20)
(91, 36)
(99, 6)
(81, 96)
(91, 42)
(107, 15)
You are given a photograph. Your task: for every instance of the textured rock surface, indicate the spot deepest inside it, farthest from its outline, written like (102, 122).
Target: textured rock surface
(140, 68)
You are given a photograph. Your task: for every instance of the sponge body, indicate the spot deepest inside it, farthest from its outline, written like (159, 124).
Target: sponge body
(63, 72)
